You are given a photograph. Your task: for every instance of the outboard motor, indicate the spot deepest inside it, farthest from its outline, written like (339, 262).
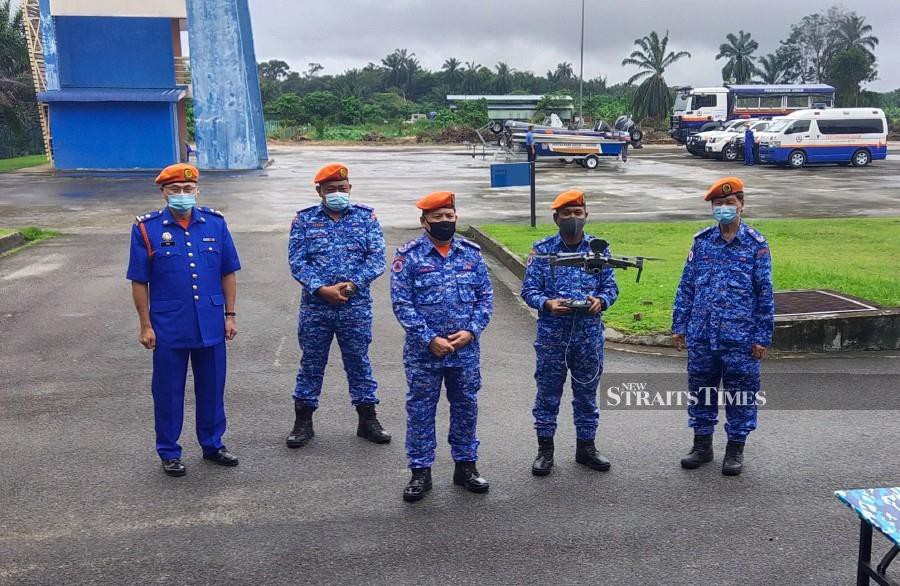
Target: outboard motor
(602, 126)
(624, 123)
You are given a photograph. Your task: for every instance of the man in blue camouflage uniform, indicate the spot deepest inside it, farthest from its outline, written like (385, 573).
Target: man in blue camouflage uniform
(182, 271)
(569, 341)
(336, 250)
(442, 296)
(724, 314)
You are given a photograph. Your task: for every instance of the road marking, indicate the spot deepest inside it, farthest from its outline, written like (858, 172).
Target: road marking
(278, 351)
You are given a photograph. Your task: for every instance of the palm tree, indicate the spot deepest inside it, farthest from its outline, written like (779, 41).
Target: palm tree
(451, 69)
(652, 97)
(16, 97)
(394, 64)
(853, 32)
(564, 71)
(503, 79)
(470, 75)
(739, 51)
(772, 70)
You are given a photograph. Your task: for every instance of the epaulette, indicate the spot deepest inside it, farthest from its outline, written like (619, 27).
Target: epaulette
(703, 231)
(543, 241)
(409, 246)
(364, 207)
(147, 216)
(756, 235)
(468, 243)
(211, 211)
(309, 209)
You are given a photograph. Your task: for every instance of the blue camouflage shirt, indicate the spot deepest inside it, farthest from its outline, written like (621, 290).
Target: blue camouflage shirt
(435, 296)
(322, 251)
(184, 268)
(725, 294)
(539, 285)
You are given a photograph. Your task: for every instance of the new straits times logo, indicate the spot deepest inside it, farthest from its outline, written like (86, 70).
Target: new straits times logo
(637, 394)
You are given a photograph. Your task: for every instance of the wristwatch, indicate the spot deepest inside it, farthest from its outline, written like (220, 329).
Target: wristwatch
(230, 314)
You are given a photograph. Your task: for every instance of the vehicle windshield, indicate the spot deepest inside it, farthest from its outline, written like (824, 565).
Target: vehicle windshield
(779, 125)
(737, 127)
(682, 103)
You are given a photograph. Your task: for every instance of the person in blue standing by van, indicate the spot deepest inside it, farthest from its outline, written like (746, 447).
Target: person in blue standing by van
(749, 142)
(182, 270)
(724, 315)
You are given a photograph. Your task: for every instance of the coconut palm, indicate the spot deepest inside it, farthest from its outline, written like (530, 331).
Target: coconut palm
(470, 76)
(853, 32)
(739, 51)
(772, 69)
(451, 69)
(564, 71)
(16, 98)
(652, 97)
(503, 79)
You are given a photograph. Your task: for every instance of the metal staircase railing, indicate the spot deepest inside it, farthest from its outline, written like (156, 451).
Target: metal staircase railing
(32, 11)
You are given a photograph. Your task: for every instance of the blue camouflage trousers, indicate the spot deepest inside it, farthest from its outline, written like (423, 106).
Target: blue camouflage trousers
(738, 372)
(424, 381)
(585, 363)
(352, 326)
(169, 378)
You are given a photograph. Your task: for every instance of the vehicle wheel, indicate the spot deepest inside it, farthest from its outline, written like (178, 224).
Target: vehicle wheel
(861, 158)
(730, 153)
(591, 162)
(636, 135)
(496, 128)
(709, 126)
(797, 159)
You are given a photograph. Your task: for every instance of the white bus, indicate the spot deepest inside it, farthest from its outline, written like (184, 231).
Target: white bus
(854, 136)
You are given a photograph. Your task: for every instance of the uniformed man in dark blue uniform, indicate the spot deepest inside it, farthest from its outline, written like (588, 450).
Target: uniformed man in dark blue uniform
(724, 314)
(336, 250)
(442, 296)
(182, 272)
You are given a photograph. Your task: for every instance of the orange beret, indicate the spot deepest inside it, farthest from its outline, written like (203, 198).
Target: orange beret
(332, 172)
(436, 201)
(180, 173)
(724, 188)
(573, 197)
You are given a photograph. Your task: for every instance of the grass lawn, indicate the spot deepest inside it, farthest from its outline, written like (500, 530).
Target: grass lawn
(857, 256)
(5, 232)
(7, 165)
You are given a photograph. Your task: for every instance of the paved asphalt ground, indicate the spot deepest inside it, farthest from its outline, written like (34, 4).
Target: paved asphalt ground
(82, 498)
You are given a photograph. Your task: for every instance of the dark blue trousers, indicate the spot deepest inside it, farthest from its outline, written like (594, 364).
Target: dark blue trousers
(169, 377)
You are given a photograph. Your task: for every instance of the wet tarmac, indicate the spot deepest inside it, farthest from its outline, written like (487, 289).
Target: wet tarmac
(657, 183)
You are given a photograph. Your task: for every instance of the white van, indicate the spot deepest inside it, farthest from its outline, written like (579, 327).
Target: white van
(854, 136)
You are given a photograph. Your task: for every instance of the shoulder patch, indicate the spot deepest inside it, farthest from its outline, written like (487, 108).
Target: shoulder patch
(211, 211)
(756, 235)
(408, 246)
(148, 216)
(703, 231)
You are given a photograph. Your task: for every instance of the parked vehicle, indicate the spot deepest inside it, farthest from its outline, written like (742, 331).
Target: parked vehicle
(696, 143)
(855, 136)
(702, 109)
(722, 145)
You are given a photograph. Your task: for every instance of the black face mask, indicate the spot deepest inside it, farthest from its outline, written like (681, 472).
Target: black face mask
(441, 231)
(571, 228)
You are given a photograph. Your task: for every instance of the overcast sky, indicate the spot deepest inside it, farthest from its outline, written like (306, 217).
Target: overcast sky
(538, 34)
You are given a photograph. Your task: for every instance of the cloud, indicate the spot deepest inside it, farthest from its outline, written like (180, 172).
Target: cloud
(536, 35)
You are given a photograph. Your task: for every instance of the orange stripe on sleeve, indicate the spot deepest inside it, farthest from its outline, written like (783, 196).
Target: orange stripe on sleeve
(146, 239)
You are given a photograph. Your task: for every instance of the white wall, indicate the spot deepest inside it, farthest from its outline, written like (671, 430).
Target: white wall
(159, 8)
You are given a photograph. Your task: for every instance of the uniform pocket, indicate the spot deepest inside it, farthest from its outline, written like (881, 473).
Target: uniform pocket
(429, 288)
(165, 305)
(467, 283)
(217, 299)
(212, 256)
(168, 261)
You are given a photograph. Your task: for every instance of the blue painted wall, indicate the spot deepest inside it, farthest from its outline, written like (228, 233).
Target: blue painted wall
(108, 52)
(227, 106)
(114, 135)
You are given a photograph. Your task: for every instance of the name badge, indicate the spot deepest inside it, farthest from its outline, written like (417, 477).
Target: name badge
(167, 244)
(209, 240)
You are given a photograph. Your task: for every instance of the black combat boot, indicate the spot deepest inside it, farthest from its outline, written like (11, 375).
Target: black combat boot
(303, 426)
(419, 484)
(586, 454)
(700, 454)
(369, 426)
(466, 474)
(734, 459)
(544, 461)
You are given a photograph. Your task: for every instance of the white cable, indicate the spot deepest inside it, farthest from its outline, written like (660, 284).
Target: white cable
(566, 358)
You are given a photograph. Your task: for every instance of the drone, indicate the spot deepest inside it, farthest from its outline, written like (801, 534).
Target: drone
(595, 261)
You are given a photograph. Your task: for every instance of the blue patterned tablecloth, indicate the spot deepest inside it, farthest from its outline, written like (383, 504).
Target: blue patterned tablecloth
(878, 506)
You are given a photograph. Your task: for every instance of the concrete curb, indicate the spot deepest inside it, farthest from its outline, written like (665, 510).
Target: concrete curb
(515, 265)
(11, 241)
(832, 332)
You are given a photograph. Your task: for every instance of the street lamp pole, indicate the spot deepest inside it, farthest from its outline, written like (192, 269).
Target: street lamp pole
(581, 72)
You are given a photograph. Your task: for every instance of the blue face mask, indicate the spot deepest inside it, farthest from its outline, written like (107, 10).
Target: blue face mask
(337, 201)
(725, 214)
(182, 203)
